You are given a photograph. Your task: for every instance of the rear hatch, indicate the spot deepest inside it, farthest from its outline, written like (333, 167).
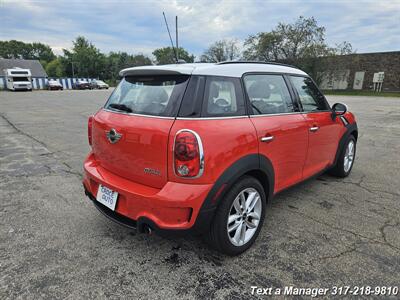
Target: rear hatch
(21, 82)
(130, 135)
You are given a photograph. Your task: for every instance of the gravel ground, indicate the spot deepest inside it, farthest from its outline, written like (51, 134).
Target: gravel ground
(54, 244)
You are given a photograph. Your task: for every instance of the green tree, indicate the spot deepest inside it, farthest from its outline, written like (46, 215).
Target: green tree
(301, 43)
(42, 52)
(166, 55)
(85, 60)
(140, 60)
(55, 68)
(344, 48)
(18, 49)
(222, 50)
(289, 42)
(116, 61)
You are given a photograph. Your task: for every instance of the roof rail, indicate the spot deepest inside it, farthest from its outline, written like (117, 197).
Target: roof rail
(255, 62)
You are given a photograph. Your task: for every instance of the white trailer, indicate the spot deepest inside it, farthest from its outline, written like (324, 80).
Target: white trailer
(18, 79)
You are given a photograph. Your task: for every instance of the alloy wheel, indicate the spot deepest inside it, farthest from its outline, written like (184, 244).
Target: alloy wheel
(349, 156)
(244, 216)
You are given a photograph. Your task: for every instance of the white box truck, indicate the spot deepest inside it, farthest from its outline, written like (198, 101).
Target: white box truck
(18, 79)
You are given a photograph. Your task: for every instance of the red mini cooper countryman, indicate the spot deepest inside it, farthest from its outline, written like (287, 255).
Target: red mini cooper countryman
(203, 147)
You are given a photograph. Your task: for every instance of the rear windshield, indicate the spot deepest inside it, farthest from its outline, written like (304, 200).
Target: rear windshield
(16, 79)
(148, 95)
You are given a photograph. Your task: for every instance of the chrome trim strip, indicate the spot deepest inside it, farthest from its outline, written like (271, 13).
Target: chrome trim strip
(317, 111)
(138, 115)
(200, 150)
(212, 118)
(252, 116)
(279, 114)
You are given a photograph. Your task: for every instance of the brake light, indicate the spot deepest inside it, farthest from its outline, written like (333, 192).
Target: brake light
(90, 122)
(188, 154)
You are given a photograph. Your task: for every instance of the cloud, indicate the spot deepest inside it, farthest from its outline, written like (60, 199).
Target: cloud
(138, 26)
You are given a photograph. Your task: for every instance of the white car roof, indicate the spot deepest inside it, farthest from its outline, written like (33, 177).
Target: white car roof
(233, 69)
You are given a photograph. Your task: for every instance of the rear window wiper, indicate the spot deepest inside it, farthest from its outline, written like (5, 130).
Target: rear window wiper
(121, 107)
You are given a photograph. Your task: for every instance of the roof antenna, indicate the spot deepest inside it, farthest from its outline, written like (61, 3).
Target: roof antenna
(176, 36)
(170, 38)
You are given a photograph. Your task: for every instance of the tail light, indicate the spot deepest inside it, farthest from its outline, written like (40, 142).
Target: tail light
(188, 154)
(90, 122)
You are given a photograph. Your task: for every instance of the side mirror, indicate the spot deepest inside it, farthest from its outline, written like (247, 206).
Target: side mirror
(338, 109)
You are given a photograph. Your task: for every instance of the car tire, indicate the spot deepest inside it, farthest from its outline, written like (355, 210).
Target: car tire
(346, 158)
(235, 242)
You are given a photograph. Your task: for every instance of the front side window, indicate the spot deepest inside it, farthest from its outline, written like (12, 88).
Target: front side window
(268, 94)
(310, 97)
(223, 97)
(148, 95)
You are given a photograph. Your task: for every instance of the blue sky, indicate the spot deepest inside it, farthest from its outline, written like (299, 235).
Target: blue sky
(138, 26)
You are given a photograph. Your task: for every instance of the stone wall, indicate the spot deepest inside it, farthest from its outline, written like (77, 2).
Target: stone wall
(356, 71)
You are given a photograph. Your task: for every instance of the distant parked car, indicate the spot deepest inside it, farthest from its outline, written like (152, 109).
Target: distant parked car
(98, 84)
(54, 85)
(81, 85)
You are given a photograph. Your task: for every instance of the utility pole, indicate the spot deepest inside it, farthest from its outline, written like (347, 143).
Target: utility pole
(72, 63)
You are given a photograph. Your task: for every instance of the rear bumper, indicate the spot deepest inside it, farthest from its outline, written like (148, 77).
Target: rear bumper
(173, 209)
(22, 88)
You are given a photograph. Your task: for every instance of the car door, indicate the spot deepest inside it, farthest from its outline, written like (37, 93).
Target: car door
(323, 134)
(281, 130)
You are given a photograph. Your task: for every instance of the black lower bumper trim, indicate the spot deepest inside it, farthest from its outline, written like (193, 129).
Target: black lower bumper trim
(114, 216)
(202, 224)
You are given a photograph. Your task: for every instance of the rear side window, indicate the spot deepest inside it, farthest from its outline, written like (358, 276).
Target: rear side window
(223, 97)
(148, 95)
(268, 94)
(310, 97)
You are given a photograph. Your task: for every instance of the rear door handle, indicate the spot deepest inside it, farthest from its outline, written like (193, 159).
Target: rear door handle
(267, 138)
(314, 128)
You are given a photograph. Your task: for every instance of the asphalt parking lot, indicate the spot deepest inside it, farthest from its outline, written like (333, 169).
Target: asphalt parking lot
(54, 244)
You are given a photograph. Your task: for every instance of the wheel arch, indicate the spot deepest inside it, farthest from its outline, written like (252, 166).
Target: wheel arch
(262, 177)
(256, 165)
(351, 129)
(355, 134)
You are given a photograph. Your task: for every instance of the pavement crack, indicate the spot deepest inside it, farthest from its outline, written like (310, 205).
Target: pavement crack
(25, 133)
(360, 184)
(382, 231)
(385, 242)
(70, 170)
(339, 255)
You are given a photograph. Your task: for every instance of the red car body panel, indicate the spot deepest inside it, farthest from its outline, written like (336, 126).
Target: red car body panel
(143, 144)
(223, 142)
(322, 143)
(175, 206)
(288, 148)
